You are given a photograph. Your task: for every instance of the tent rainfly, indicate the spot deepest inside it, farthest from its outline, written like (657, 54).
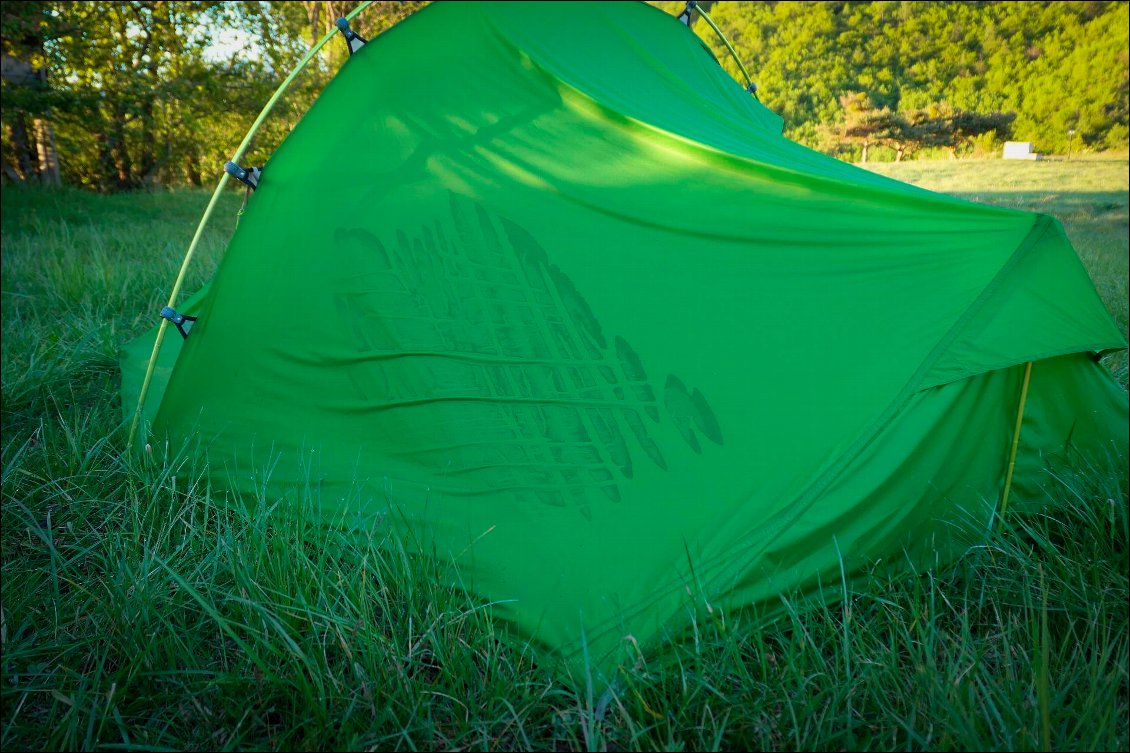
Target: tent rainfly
(542, 286)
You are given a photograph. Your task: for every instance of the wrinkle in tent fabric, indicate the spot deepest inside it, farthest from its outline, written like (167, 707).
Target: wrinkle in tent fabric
(542, 285)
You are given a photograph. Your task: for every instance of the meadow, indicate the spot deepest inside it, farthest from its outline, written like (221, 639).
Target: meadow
(137, 613)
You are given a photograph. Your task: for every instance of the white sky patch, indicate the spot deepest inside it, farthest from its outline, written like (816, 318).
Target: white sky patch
(229, 42)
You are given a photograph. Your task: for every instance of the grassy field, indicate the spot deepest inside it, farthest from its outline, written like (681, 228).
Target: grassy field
(136, 614)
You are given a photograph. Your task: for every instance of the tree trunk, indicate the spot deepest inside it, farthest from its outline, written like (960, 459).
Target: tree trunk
(863, 158)
(35, 156)
(105, 160)
(48, 157)
(192, 168)
(148, 158)
(314, 15)
(122, 161)
(21, 140)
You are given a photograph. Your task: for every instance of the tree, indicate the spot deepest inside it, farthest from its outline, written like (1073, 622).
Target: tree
(143, 96)
(134, 81)
(941, 125)
(135, 93)
(29, 138)
(865, 124)
(1058, 66)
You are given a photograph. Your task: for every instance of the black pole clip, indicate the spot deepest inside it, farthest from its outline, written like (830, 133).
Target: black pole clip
(352, 38)
(685, 16)
(248, 177)
(183, 322)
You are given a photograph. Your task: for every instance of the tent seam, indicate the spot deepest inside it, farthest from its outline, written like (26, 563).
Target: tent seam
(1100, 348)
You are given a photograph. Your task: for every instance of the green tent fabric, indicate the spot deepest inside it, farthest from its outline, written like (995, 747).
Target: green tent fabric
(543, 286)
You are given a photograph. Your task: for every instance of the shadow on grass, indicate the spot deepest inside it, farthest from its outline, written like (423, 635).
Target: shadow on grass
(1083, 205)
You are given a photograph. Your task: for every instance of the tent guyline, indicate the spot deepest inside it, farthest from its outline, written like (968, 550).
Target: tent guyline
(511, 349)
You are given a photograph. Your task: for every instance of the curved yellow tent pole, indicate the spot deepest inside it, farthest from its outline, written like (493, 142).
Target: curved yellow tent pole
(1015, 441)
(212, 206)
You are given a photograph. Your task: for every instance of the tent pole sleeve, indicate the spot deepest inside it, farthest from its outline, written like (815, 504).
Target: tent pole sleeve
(706, 17)
(1015, 440)
(212, 206)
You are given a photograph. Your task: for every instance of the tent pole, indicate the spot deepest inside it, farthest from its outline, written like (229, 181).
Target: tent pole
(212, 206)
(1015, 441)
(706, 17)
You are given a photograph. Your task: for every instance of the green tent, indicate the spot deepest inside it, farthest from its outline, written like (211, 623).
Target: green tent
(545, 288)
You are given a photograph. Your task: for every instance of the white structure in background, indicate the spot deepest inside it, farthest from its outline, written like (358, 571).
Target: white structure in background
(1019, 150)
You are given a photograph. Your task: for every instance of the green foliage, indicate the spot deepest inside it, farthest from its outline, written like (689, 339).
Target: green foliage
(1057, 66)
(139, 96)
(131, 94)
(140, 611)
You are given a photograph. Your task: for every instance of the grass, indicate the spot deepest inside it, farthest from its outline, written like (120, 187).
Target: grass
(139, 614)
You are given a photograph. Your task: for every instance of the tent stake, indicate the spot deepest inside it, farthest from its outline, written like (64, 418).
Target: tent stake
(212, 206)
(1015, 441)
